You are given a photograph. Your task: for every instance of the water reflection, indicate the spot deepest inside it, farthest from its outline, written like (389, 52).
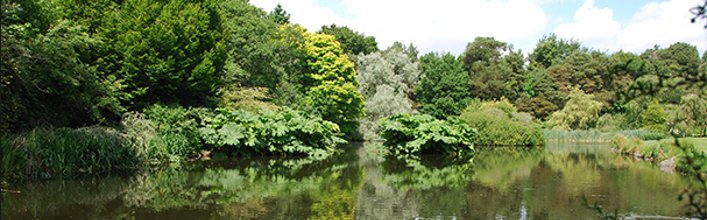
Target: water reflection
(496, 184)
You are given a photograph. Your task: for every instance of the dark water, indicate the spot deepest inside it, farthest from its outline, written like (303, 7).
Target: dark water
(500, 184)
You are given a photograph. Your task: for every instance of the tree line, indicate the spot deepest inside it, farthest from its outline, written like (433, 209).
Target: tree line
(79, 63)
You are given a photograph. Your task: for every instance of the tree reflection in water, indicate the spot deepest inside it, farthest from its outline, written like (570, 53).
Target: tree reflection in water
(362, 184)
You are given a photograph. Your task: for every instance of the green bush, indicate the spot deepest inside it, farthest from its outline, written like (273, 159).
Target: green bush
(416, 134)
(163, 133)
(176, 130)
(57, 152)
(283, 132)
(499, 124)
(654, 117)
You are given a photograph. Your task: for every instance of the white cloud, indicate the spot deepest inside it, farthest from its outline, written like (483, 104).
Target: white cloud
(442, 25)
(592, 26)
(448, 25)
(663, 24)
(655, 23)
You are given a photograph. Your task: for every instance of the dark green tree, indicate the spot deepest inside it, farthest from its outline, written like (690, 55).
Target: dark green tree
(683, 59)
(483, 51)
(165, 51)
(279, 15)
(442, 90)
(352, 42)
(495, 69)
(541, 95)
(551, 50)
(256, 55)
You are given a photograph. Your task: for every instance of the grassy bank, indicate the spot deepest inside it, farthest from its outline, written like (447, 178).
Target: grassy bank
(657, 150)
(664, 150)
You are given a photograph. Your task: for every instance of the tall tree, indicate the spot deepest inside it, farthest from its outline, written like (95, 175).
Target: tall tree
(330, 84)
(256, 55)
(495, 69)
(442, 90)
(483, 51)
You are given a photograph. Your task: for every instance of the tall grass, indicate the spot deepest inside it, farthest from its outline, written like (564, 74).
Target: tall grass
(595, 136)
(56, 152)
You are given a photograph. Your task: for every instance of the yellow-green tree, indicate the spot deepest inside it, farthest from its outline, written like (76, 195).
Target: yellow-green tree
(580, 112)
(329, 81)
(654, 117)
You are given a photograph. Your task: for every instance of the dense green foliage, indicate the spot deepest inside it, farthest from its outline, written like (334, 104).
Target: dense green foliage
(499, 124)
(283, 132)
(254, 47)
(147, 51)
(416, 134)
(42, 80)
(442, 90)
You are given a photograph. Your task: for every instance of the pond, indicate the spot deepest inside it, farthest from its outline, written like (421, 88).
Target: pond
(548, 183)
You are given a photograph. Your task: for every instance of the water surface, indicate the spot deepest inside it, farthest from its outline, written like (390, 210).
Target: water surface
(547, 183)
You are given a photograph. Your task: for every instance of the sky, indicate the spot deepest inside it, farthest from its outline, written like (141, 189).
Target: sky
(449, 25)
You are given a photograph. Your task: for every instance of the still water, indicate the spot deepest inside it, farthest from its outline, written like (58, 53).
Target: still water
(548, 183)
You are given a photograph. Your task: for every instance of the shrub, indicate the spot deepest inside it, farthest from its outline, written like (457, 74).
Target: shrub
(57, 152)
(283, 132)
(499, 124)
(416, 134)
